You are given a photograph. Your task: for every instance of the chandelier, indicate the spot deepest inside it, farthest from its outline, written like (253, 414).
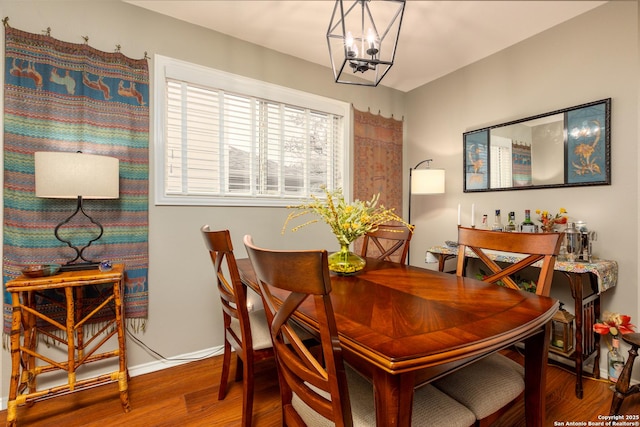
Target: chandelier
(361, 51)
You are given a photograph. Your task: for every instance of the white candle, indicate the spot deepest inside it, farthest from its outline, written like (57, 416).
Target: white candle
(459, 214)
(473, 214)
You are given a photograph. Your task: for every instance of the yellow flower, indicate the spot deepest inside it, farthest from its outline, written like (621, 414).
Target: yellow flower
(584, 150)
(347, 221)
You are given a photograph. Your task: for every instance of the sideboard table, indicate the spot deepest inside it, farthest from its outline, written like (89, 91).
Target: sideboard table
(587, 280)
(32, 321)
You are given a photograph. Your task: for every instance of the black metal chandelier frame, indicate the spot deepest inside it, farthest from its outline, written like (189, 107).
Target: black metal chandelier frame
(367, 50)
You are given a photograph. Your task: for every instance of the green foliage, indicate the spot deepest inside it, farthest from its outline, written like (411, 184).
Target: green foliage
(523, 284)
(348, 221)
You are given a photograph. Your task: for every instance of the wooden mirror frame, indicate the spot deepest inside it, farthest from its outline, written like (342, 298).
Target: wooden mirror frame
(586, 158)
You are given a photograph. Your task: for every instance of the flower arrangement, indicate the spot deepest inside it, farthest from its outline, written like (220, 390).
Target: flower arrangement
(612, 324)
(348, 221)
(549, 221)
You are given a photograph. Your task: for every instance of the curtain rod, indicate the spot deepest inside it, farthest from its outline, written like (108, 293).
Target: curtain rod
(47, 33)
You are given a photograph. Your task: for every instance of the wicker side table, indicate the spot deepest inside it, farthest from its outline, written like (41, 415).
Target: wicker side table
(28, 324)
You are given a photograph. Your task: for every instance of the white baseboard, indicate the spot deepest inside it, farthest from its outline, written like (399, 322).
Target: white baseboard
(157, 365)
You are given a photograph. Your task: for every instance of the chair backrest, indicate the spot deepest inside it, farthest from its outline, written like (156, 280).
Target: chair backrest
(536, 247)
(390, 243)
(233, 293)
(318, 381)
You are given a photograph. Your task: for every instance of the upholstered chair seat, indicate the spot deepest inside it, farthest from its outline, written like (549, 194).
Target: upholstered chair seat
(485, 386)
(489, 386)
(431, 407)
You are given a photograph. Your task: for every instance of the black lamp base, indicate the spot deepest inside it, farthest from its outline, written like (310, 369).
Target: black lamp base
(87, 264)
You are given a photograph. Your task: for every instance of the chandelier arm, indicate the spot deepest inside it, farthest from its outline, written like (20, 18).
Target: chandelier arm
(391, 22)
(373, 23)
(332, 28)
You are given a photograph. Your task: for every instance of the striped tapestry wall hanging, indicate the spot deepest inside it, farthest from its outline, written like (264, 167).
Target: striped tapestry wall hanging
(69, 97)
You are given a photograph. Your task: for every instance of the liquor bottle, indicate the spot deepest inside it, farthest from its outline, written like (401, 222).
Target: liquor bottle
(497, 222)
(511, 224)
(615, 361)
(527, 225)
(484, 225)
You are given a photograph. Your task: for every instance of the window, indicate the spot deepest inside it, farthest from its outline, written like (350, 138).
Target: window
(227, 140)
(501, 162)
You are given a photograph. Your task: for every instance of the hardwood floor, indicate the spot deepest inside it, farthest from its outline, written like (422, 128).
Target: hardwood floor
(187, 396)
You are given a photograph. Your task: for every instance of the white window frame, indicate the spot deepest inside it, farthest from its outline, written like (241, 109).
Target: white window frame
(165, 67)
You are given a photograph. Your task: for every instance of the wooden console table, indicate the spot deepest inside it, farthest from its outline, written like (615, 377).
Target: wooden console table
(599, 275)
(32, 321)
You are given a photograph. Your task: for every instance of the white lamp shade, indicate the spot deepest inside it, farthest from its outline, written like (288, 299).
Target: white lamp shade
(427, 181)
(69, 175)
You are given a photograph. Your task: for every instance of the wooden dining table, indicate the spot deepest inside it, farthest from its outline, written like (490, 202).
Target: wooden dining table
(403, 326)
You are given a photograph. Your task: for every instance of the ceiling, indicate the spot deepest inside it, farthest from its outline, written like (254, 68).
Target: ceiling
(437, 37)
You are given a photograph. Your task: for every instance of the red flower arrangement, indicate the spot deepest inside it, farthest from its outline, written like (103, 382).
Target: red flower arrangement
(549, 221)
(612, 324)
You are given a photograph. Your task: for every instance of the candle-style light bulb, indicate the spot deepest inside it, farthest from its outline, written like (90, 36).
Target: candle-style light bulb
(348, 41)
(371, 43)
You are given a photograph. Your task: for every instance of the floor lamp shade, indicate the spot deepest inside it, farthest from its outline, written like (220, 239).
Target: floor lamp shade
(69, 175)
(427, 181)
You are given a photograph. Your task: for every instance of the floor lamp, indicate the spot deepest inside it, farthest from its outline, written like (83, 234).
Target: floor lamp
(79, 176)
(424, 181)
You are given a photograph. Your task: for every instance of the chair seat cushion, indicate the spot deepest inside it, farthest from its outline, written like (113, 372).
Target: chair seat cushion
(260, 334)
(259, 329)
(485, 386)
(431, 407)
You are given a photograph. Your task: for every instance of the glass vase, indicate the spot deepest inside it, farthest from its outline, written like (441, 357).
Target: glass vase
(345, 262)
(547, 228)
(615, 361)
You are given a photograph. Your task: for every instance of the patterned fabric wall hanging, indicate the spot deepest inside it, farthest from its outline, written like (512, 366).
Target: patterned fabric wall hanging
(377, 149)
(71, 97)
(521, 161)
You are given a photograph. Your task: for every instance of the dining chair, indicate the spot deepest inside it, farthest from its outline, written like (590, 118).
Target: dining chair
(389, 242)
(247, 333)
(489, 386)
(316, 387)
(622, 389)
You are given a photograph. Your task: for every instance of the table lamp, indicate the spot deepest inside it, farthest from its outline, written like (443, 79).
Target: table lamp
(60, 175)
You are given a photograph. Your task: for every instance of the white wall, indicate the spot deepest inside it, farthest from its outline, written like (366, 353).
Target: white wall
(591, 57)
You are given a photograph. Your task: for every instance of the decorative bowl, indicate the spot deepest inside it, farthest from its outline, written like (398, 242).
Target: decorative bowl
(41, 270)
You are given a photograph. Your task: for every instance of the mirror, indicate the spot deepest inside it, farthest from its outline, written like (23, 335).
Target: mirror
(563, 148)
